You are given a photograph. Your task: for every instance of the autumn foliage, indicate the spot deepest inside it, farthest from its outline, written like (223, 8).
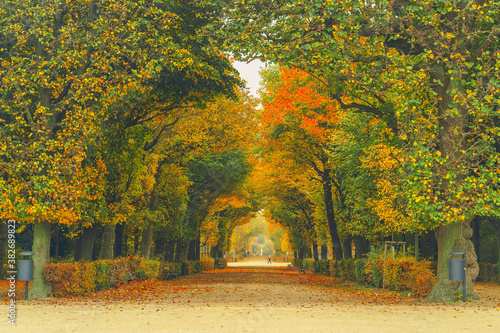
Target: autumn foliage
(83, 278)
(401, 273)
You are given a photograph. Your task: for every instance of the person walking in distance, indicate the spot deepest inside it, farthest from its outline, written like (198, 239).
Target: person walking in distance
(269, 260)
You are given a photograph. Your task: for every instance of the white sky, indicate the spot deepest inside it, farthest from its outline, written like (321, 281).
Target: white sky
(250, 73)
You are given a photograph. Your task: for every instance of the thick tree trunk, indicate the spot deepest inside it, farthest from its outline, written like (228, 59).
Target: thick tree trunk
(119, 240)
(56, 245)
(309, 252)
(301, 253)
(108, 242)
(498, 249)
(147, 241)
(87, 243)
(192, 250)
(3, 247)
(324, 251)
(147, 234)
(359, 244)
(315, 252)
(330, 214)
(452, 144)
(475, 237)
(40, 288)
(496, 225)
(416, 246)
(170, 250)
(454, 237)
(160, 249)
(347, 248)
(181, 251)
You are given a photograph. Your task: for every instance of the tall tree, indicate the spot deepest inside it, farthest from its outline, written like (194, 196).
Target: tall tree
(451, 45)
(68, 70)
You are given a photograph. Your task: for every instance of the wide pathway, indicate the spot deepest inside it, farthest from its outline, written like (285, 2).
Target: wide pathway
(272, 298)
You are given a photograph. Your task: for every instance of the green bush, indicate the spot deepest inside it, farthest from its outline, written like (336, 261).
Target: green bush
(208, 264)
(324, 266)
(101, 280)
(347, 270)
(195, 267)
(359, 269)
(147, 269)
(169, 267)
(334, 268)
(308, 264)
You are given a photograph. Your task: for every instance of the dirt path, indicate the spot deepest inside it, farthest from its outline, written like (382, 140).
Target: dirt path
(254, 299)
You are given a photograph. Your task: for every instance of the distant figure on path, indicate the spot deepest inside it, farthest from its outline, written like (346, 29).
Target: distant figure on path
(269, 260)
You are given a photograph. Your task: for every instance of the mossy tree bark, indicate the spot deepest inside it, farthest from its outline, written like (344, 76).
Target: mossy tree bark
(108, 242)
(87, 243)
(40, 288)
(454, 237)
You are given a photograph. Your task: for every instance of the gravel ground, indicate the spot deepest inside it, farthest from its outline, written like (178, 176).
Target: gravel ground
(254, 297)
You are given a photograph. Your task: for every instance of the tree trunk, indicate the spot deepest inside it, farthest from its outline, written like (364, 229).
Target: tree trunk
(170, 250)
(56, 245)
(454, 237)
(498, 249)
(40, 288)
(324, 251)
(3, 247)
(496, 224)
(416, 246)
(330, 214)
(192, 250)
(119, 240)
(359, 244)
(301, 253)
(475, 237)
(181, 251)
(147, 241)
(87, 243)
(108, 242)
(315, 252)
(347, 248)
(147, 234)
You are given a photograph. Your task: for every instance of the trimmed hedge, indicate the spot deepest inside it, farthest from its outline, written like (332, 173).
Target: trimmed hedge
(82, 278)
(402, 274)
(208, 264)
(71, 279)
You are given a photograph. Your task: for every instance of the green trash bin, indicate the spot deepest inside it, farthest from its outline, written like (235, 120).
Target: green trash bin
(25, 270)
(457, 269)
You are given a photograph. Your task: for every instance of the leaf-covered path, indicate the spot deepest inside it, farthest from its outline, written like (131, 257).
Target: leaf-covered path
(251, 299)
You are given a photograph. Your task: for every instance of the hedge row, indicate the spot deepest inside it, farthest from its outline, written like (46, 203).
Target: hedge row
(82, 278)
(402, 274)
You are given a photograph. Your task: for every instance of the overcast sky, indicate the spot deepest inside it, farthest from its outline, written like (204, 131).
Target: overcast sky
(250, 73)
